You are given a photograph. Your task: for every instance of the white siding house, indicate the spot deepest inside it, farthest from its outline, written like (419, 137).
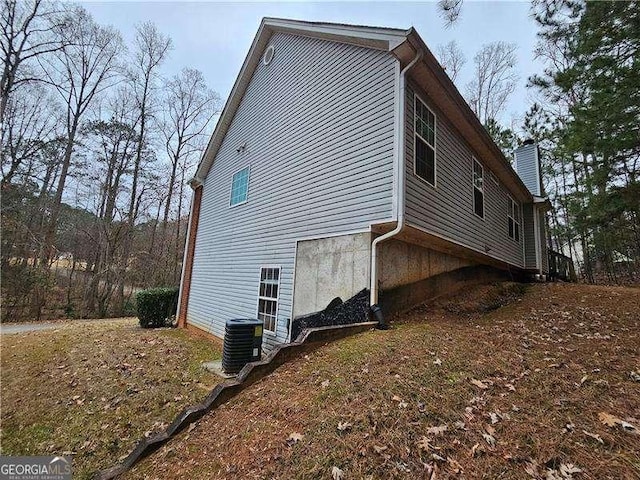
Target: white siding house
(313, 164)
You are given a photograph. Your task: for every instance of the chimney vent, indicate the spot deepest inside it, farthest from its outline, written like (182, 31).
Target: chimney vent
(528, 166)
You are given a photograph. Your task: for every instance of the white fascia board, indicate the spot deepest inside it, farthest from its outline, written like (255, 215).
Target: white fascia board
(373, 37)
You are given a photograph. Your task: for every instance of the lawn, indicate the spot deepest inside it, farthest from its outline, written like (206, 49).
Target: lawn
(92, 389)
(496, 383)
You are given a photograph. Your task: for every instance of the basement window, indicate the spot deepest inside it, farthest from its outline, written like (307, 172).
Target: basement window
(268, 297)
(424, 154)
(513, 216)
(478, 188)
(239, 187)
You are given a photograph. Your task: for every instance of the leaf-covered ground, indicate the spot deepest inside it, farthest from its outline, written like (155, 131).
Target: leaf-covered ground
(93, 389)
(547, 386)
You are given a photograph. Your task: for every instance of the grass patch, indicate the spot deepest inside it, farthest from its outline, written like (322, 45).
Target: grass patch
(531, 356)
(92, 390)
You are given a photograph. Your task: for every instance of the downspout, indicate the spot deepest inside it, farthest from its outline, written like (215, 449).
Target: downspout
(400, 193)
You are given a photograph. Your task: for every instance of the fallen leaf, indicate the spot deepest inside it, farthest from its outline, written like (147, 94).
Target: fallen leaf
(325, 384)
(423, 444)
(594, 436)
(460, 425)
(336, 473)
(342, 426)
(396, 398)
(568, 469)
(379, 448)
(436, 430)
(612, 421)
(608, 419)
(494, 418)
(490, 439)
(438, 458)
(403, 405)
(584, 379)
(479, 384)
(295, 437)
(475, 450)
(454, 465)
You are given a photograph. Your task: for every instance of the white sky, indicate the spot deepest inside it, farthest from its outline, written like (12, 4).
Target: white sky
(214, 37)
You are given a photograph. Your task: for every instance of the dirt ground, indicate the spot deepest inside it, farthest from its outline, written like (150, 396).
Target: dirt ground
(501, 382)
(92, 389)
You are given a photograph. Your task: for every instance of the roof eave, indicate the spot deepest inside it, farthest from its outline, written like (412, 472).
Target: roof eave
(371, 37)
(470, 117)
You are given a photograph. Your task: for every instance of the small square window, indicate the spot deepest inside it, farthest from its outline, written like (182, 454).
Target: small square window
(239, 187)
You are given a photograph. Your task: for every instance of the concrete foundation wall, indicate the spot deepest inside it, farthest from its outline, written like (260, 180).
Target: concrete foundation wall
(327, 268)
(404, 297)
(402, 263)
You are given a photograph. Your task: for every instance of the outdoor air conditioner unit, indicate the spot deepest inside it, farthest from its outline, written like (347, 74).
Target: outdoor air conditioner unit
(242, 344)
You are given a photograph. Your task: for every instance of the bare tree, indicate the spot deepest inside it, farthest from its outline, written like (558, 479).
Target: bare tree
(494, 80)
(450, 11)
(28, 125)
(190, 106)
(151, 49)
(112, 144)
(451, 58)
(85, 67)
(28, 31)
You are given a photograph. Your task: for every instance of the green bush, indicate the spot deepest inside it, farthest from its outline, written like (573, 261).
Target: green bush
(156, 307)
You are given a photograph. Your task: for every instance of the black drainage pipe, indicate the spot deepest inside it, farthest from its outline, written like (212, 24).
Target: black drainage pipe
(377, 314)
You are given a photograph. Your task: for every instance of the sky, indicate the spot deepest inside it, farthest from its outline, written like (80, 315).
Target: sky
(214, 37)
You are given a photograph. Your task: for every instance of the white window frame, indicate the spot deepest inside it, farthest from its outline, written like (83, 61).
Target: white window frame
(516, 210)
(474, 160)
(416, 98)
(248, 168)
(277, 299)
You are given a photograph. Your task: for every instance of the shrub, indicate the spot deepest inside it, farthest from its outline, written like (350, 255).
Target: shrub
(156, 307)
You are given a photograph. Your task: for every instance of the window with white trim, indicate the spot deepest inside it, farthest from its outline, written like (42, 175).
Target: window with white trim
(239, 187)
(513, 216)
(424, 152)
(268, 297)
(478, 188)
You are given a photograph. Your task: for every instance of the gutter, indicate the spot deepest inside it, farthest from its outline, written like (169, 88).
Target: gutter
(400, 190)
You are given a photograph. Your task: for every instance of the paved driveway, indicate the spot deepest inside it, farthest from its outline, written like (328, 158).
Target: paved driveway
(7, 328)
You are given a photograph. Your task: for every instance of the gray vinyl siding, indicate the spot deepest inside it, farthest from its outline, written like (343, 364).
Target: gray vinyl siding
(529, 236)
(528, 168)
(447, 209)
(318, 125)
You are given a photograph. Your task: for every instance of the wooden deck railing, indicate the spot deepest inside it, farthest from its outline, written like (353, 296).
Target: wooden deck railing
(561, 267)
